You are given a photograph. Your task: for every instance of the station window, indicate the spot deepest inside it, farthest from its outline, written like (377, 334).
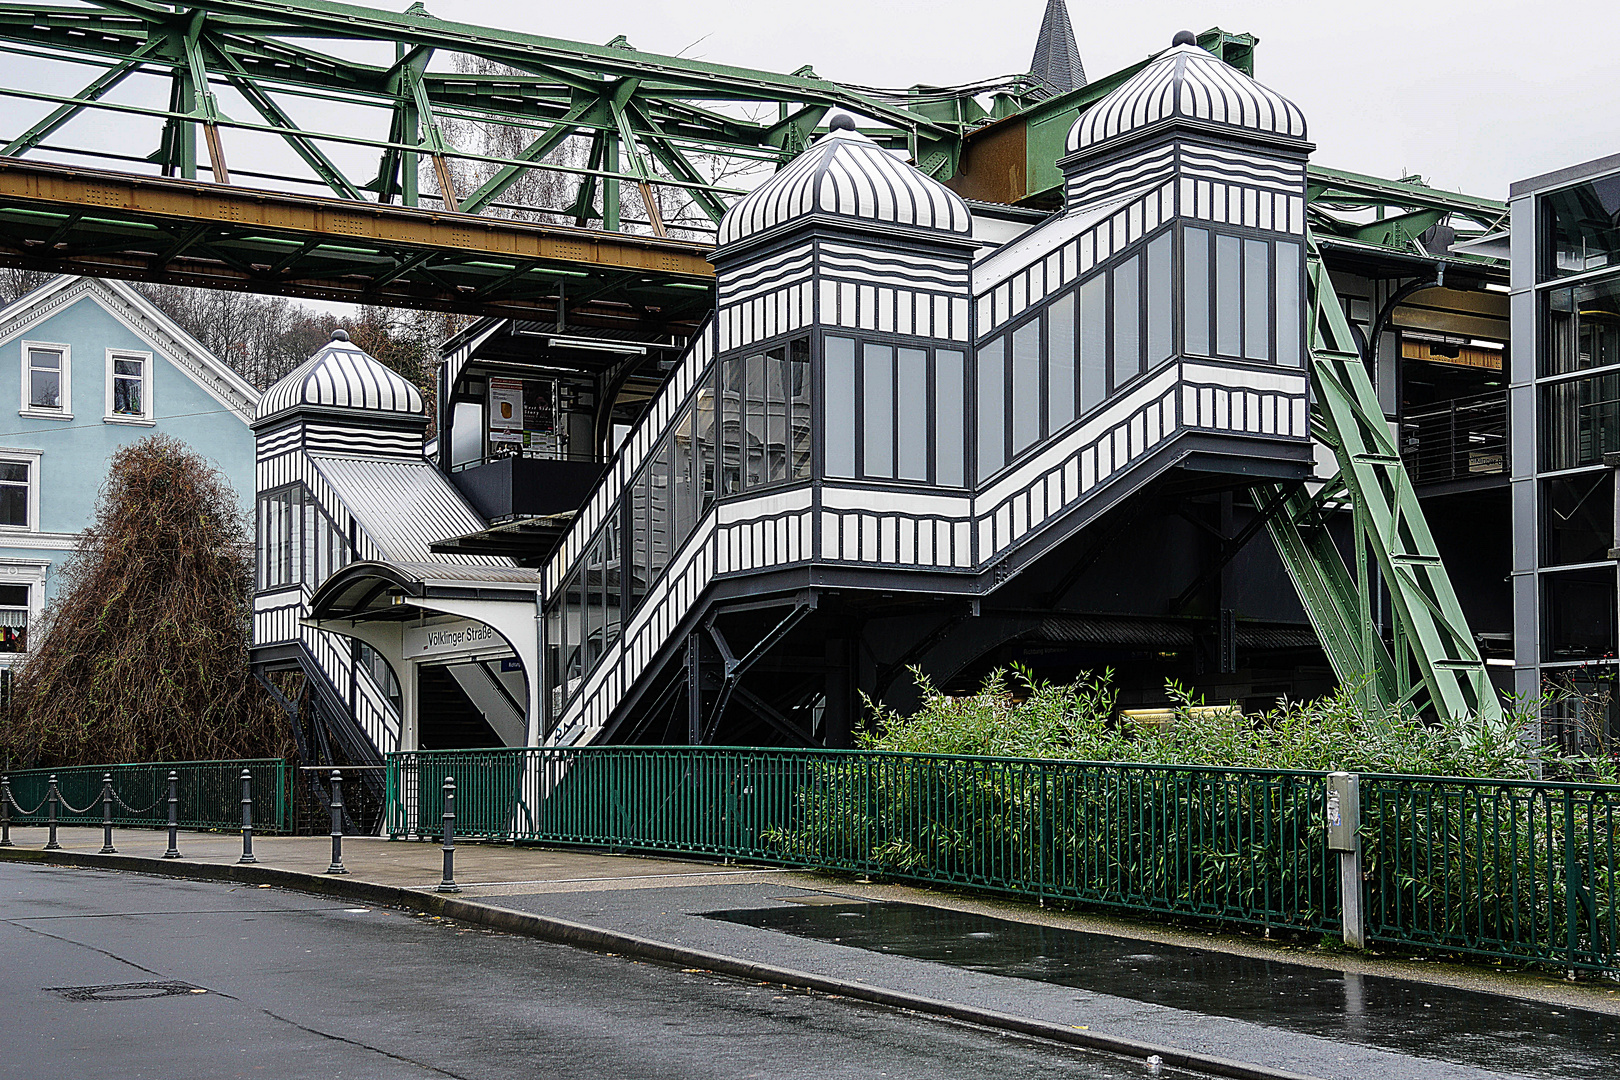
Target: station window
(1579, 612)
(1577, 514)
(1242, 297)
(765, 418)
(1580, 421)
(894, 412)
(1581, 228)
(297, 543)
(1582, 327)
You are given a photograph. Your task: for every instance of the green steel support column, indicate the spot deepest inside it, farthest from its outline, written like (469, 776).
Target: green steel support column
(1388, 521)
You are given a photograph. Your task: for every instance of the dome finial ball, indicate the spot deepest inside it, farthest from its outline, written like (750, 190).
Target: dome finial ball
(1184, 37)
(340, 335)
(841, 122)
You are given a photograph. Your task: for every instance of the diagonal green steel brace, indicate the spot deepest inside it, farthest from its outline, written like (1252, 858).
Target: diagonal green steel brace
(1387, 523)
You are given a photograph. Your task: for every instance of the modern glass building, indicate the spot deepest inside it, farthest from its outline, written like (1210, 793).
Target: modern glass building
(1566, 435)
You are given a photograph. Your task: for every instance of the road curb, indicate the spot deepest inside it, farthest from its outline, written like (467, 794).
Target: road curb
(596, 939)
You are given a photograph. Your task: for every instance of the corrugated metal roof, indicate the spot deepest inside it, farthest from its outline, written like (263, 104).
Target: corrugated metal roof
(1188, 82)
(461, 574)
(847, 174)
(404, 506)
(1117, 631)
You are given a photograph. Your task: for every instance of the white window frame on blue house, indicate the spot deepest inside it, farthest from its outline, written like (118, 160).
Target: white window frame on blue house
(30, 458)
(65, 410)
(144, 417)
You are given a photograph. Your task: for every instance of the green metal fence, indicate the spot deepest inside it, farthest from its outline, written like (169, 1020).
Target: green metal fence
(1241, 845)
(209, 793)
(1493, 867)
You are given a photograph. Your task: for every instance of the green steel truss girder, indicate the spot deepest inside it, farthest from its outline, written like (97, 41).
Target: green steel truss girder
(661, 113)
(1389, 535)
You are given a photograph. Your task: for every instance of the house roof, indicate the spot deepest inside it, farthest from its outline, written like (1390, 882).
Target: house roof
(1056, 62)
(146, 321)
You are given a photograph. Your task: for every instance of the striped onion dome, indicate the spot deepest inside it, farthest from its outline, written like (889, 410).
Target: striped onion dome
(341, 376)
(1189, 83)
(846, 174)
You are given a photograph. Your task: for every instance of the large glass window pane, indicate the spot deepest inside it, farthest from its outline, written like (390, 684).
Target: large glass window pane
(1127, 321)
(1579, 609)
(1577, 514)
(1195, 291)
(595, 618)
(1093, 342)
(950, 436)
(776, 415)
(1159, 317)
(1060, 363)
(731, 427)
(1290, 307)
(1026, 372)
(612, 569)
(1228, 296)
(658, 506)
(991, 408)
(1580, 421)
(838, 367)
(877, 384)
(911, 369)
(1583, 327)
(637, 511)
(1256, 300)
(574, 635)
(755, 404)
(799, 407)
(683, 483)
(704, 435)
(1583, 228)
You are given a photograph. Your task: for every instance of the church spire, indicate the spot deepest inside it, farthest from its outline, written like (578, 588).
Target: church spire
(1056, 63)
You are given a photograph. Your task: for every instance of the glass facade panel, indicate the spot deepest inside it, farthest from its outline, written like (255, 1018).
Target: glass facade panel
(1195, 291)
(1026, 391)
(755, 406)
(1228, 296)
(731, 427)
(1578, 615)
(1127, 351)
(990, 408)
(798, 371)
(838, 362)
(777, 382)
(1256, 300)
(1583, 228)
(704, 435)
(1583, 327)
(912, 372)
(1580, 421)
(1577, 515)
(1159, 301)
(683, 486)
(1060, 363)
(1290, 306)
(877, 389)
(1093, 342)
(950, 428)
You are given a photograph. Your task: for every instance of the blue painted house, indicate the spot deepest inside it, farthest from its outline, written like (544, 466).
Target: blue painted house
(86, 367)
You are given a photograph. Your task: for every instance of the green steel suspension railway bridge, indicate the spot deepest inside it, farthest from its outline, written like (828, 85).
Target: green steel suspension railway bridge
(311, 149)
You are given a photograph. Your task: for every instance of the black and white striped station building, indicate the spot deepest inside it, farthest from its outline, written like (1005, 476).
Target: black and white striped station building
(899, 438)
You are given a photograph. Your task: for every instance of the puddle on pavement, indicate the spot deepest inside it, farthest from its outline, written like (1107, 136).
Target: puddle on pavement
(1462, 1026)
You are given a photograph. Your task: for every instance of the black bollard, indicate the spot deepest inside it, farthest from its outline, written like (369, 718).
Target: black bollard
(5, 812)
(106, 815)
(247, 818)
(337, 824)
(449, 882)
(51, 798)
(174, 817)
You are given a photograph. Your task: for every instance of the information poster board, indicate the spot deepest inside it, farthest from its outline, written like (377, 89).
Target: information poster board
(523, 412)
(506, 411)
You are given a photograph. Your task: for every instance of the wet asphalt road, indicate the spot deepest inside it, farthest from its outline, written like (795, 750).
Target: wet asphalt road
(297, 986)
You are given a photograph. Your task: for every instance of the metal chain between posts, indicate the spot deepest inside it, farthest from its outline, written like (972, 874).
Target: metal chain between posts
(448, 885)
(137, 812)
(11, 801)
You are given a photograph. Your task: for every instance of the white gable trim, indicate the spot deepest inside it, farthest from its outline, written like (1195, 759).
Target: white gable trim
(147, 323)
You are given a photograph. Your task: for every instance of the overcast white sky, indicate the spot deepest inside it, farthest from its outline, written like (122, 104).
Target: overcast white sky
(1470, 95)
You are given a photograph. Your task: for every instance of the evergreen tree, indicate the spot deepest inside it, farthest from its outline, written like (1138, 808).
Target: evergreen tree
(143, 656)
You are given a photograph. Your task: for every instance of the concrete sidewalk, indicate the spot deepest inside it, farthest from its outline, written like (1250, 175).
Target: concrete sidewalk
(660, 908)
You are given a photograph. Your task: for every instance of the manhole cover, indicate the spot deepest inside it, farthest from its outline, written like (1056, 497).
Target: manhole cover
(126, 991)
